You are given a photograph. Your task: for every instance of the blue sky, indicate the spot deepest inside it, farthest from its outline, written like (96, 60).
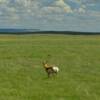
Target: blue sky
(67, 15)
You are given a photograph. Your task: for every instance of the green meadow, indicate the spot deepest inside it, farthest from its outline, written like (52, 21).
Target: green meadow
(22, 76)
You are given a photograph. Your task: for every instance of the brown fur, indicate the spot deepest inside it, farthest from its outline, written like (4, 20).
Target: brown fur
(48, 68)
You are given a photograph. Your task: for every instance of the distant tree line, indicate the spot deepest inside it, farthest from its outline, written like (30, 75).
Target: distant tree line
(53, 32)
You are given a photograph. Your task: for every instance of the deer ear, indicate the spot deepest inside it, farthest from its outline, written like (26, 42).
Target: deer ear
(45, 62)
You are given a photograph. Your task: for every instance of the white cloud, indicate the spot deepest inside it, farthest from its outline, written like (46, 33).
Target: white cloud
(31, 11)
(7, 12)
(60, 3)
(3, 1)
(25, 8)
(57, 7)
(94, 14)
(81, 10)
(63, 5)
(29, 7)
(76, 1)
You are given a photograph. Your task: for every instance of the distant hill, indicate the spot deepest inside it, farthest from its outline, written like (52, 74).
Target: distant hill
(37, 31)
(18, 30)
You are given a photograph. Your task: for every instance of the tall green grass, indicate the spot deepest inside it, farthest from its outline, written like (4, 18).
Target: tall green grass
(22, 76)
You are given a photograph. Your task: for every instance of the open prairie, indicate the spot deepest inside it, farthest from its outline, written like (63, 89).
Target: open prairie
(22, 76)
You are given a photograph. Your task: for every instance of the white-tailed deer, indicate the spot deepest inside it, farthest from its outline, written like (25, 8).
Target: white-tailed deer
(50, 69)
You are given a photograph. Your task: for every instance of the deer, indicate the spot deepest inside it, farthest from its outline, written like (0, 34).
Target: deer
(50, 69)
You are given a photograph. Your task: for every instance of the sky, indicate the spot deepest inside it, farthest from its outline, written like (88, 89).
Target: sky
(51, 15)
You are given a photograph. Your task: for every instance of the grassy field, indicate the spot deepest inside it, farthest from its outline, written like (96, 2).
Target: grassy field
(22, 76)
